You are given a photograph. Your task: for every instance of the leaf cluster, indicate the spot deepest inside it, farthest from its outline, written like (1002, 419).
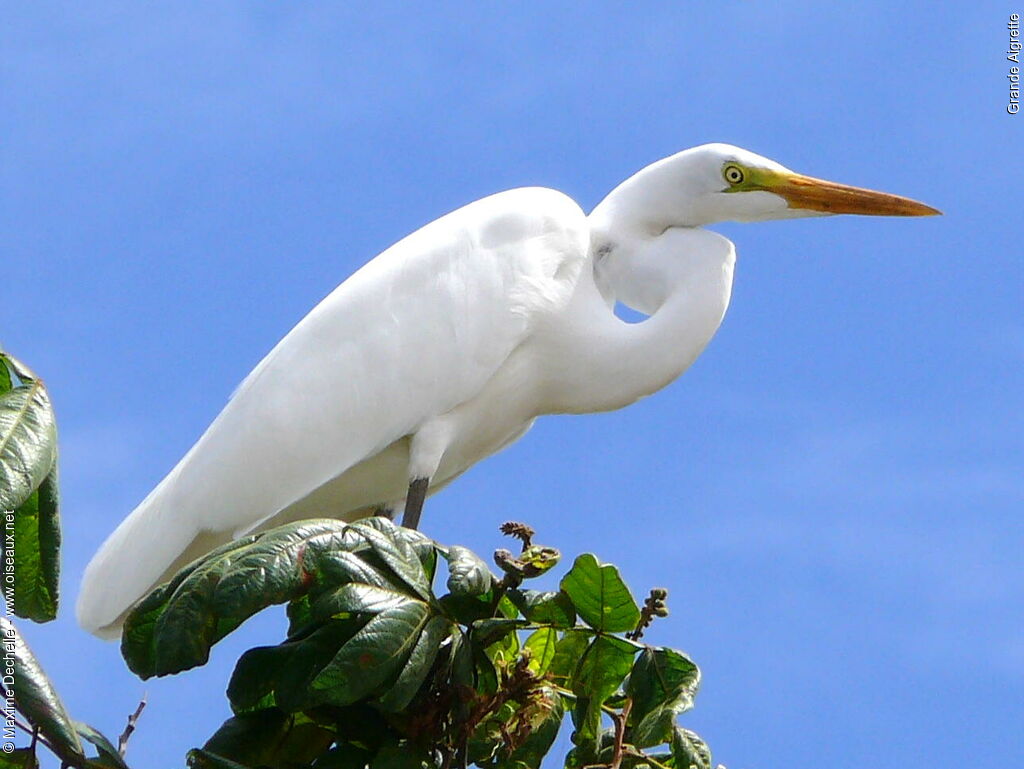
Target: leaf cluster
(29, 504)
(381, 670)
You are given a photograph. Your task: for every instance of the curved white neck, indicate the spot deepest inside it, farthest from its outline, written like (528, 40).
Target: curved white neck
(681, 277)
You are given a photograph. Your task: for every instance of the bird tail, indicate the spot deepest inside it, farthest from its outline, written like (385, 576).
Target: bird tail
(145, 550)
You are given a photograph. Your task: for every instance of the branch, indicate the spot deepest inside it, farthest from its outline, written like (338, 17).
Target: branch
(122, 741)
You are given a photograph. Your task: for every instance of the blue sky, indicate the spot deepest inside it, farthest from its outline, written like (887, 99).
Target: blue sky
(832, 494)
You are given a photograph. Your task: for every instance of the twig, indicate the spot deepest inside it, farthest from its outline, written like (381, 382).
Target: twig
(122, 741)
(620, 720)
(36, 737)
(649, 759)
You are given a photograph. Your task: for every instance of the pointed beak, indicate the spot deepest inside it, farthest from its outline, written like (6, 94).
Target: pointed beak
(810, 194)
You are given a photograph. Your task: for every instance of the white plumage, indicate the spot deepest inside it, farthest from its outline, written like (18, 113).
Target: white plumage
(441, 351)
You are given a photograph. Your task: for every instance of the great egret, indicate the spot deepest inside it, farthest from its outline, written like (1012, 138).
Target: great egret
(445, 348)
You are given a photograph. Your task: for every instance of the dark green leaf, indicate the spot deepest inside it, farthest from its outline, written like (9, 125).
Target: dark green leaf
(600, 596)
(28, 438)
(396, 551)
(174, 627)
(19, 758)
(373, 656)
(601, 671)
(401, 757)
(493, 629)
(108, 754)
(346, 756)
(541, 645)
(282, 675)
(398, 697)
(267, 738)
(359, 597)
(37, 552)
(468, 575)
(663, 684)
(466, 609)
(38, 700)
(545, 608)
(689, 750)
(201, 759)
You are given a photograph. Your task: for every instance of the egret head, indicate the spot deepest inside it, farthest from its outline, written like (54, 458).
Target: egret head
(719, 182)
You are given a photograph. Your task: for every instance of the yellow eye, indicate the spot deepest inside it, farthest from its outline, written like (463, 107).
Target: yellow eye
(733, 174)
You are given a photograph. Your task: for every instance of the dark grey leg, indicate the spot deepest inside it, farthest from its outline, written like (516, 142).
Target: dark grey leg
(414, 502)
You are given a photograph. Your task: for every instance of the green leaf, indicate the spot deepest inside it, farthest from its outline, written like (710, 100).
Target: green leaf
(468, 575)
(418, 666)
(268, 738)
(202, 759)
(38, 701)
(28, 491)
(344, 757)
(360, 598)
(19, 758)
(174, 627)
(663, 684)
(541, 645)
(6, 383)
(545, 608)
(601, 671)
(108, 754)
(600, 596)
(545, 723)
(486, 632)
(568, 652)
(401, 757)
(373, 656)
(36, 531)
(28, 438)
(396, 551)
(282, 675)
(689, 750)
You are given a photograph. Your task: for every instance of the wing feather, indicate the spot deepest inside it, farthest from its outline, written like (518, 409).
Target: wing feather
(412, 334)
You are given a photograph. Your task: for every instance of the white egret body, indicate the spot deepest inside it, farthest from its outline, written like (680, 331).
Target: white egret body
(444, 349)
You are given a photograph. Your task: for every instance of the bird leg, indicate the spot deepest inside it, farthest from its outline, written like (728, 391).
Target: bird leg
(414, 502)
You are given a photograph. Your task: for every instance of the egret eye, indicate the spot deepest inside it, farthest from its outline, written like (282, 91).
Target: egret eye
(733, 174)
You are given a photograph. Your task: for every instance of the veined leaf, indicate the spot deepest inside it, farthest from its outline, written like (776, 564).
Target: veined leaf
(374, 655)
(396, 551)
(600, 596)
(28, 437)
(268, 738)
(36, 530)
(468, 575)
(28, 491)
(546, 608)
(174, 627)
(415, 671)
(601, 671)
(38, 701)
(541, 645)
(568, 652)
(281, 675)
(663, 684)
(689, 750)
